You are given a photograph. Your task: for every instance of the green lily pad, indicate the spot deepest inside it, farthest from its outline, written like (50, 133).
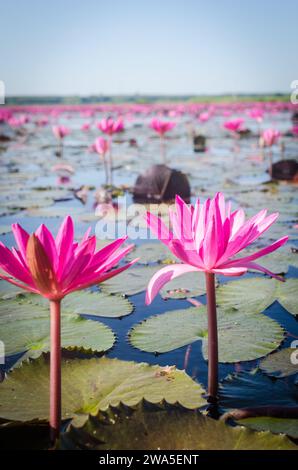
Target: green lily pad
(55, 210)
(280, 364)
(150, 253)
(27, 202)
(241, 337)
(90, 385)
(188, 285)
(164, 428)
(5, 229)
(274, 425)
(278, 261)
(31, 333)
(8, 291)
(84, 302)
(99, 304)
(254, 295)
(254, 389)
(130, 282)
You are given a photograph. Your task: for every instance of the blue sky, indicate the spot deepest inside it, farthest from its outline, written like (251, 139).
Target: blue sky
(148, 46)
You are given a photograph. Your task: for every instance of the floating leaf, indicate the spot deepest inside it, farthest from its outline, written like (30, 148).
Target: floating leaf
(188, 285)
(150, 253)
(254, 295)
(253, 389)
(31, 333)
(8, 291)
(165, 428)
(241, 337)
(99, 304)
(89, 385)
(55, 210)
(5, 229)
(278, 261)
(280, 364)
(274, 425)
(130, 282)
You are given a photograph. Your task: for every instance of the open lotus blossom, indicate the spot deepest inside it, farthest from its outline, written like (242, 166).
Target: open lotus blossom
(162, 127)
(53, 268)
(270, 137)
(85, 127)
(204, 116)
(234, 125)
(257, 114)
(209, 237)
(110, 126)
(102, 146)
(18, 121)
(60, 131)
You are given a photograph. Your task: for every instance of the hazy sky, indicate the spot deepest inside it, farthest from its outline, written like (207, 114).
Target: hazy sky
(148, 46)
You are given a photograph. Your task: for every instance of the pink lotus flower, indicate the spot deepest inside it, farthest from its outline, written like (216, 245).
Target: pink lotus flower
(208, 237)
(270, 137)
(162, 127)
(53, 268)
(204, 117)
(101, 146)
(60, 131)
(16, 121)
(85, 126)
(41, 122)
(257, 114)
(234, 125)
(110, 126)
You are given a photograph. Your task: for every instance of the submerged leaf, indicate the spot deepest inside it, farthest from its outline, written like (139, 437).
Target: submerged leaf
(281, 363)
(254, 389)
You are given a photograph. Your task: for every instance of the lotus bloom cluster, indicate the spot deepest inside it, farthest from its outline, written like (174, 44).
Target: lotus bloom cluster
(110, 126)
(18, 121)
(53, 267)
(234, 125)
(270, 137)
(162, 127)
(208, 237)
(60, 131)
